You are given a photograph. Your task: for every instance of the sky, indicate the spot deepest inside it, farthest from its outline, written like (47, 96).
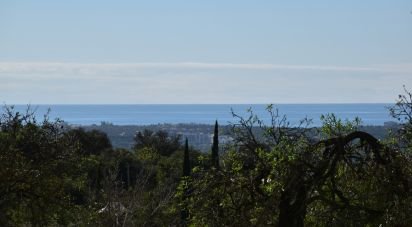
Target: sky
(215, 51)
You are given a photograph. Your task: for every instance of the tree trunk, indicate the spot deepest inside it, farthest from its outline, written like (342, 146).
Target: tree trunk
(293, 207)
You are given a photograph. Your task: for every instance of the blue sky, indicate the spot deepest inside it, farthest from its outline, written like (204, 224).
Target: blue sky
(204, 51)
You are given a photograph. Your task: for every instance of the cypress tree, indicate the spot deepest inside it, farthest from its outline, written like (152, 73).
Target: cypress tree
(186, 161)
(215, 164)
(184, 213)
(215, 147)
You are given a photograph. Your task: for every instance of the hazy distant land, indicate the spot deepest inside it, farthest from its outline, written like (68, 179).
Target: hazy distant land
(199, 135)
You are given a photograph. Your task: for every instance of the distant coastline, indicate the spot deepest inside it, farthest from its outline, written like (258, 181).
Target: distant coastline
(149, 114)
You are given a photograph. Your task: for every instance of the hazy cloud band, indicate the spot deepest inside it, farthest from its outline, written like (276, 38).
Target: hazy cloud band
(56, 67)
(47, 82)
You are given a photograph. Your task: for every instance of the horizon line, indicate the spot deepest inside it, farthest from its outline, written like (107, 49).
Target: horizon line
(120, 104)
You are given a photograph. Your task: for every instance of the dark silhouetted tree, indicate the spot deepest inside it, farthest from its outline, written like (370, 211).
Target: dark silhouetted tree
(215, 147)
(186, 161)
(186, 173)
(159, 141)
(91, 142)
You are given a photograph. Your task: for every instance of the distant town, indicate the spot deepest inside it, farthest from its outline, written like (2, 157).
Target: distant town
(199, 135)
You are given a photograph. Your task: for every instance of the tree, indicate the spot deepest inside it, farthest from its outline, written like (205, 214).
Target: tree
(39, 172)
(402, 111)
(186, 161)
(215, 147)
(90, 142)
(278, 175)
(186, 174)
(159, 141)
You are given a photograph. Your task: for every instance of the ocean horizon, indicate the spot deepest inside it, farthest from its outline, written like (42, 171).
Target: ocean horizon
(149, 114)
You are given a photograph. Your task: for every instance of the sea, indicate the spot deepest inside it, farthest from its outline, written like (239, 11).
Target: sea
(370, 114)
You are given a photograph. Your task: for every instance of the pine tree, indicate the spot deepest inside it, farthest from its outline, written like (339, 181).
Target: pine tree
(215, 147)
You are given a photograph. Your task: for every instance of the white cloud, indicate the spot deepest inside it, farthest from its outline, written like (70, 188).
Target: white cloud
(89, 68)
(198, 83)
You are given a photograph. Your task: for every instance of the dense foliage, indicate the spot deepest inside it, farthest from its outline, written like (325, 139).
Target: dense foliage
(271, 175)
